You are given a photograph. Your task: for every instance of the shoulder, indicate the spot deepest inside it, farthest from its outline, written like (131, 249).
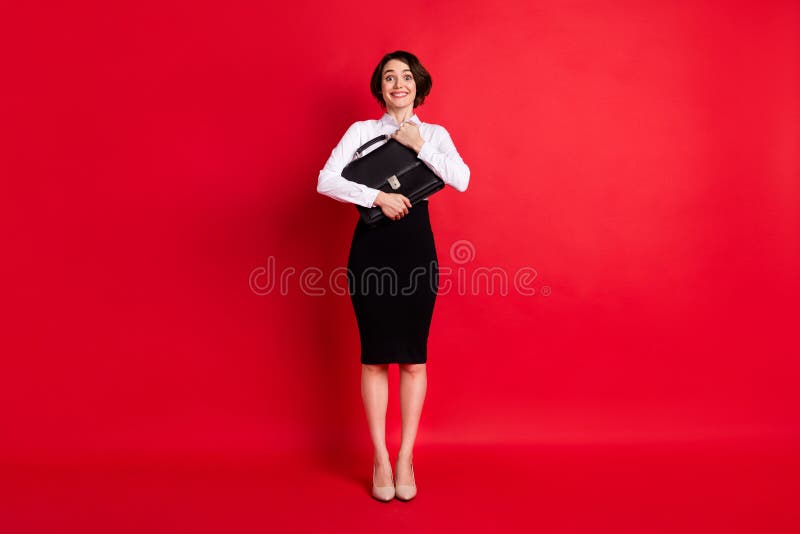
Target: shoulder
(369, 124)
(359, 131)
(434, 130)
(433, 127)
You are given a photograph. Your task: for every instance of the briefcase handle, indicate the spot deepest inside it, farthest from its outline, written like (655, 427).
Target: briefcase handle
(369, 143)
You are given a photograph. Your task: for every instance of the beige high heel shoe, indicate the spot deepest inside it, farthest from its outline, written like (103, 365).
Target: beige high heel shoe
(382, 493)
(404, 492)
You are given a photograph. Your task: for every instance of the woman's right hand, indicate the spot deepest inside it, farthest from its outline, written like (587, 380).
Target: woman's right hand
(394, 205)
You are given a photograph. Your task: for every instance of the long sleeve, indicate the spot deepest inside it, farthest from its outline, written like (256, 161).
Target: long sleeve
(331, 182)
(441, 156)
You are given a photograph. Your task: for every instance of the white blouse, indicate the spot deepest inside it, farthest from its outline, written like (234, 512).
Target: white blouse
(438, 152)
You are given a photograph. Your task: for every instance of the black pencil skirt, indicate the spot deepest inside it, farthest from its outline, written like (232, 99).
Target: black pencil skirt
(393, 278)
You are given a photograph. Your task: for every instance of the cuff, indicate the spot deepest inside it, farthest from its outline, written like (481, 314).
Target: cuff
(363, 196)
(371, 197)
(425, 151)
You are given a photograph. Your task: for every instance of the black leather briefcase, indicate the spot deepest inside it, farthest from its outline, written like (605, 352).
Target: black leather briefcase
(392, 168)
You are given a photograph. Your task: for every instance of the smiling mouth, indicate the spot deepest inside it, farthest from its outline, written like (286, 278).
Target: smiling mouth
(399, 95)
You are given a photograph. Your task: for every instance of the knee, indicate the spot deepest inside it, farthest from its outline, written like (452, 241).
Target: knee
(412, 368)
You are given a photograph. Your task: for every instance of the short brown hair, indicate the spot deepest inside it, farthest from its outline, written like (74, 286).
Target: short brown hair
(422, 78)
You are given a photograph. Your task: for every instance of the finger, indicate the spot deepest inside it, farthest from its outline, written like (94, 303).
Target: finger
(407, 202)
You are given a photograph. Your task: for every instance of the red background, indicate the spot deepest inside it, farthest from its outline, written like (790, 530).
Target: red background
(642, 157)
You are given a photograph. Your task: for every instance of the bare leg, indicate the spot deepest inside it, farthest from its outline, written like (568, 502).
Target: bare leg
(375, 394)
(413, 385)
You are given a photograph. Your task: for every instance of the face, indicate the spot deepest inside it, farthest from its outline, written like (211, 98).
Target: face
(399, 88)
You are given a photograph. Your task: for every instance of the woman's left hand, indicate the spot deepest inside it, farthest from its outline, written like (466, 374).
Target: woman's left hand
(408, 135)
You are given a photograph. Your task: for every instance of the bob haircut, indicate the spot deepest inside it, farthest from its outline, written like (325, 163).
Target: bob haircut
(422, 79)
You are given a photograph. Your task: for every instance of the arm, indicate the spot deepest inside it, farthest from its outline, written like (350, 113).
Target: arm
(441, 156)
(331, 182)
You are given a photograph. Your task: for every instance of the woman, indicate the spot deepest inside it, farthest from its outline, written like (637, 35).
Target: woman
(393, 324)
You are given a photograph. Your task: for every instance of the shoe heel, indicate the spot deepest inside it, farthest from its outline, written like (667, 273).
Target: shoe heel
(382, 493)
(406, 492)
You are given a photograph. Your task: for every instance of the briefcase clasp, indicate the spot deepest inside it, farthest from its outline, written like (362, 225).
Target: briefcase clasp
(394, 182)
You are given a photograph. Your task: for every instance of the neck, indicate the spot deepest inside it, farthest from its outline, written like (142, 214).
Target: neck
(401, 114)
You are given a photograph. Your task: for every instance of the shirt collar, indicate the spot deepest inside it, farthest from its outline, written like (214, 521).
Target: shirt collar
(388, 119)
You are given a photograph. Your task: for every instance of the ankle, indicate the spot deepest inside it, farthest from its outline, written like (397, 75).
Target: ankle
(405, 456)
(381, 458)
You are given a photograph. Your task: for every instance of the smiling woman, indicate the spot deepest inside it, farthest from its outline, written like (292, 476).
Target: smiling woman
(393, 326)
(413, 82)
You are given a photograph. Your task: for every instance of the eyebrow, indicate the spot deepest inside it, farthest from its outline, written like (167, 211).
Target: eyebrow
(392, 70)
